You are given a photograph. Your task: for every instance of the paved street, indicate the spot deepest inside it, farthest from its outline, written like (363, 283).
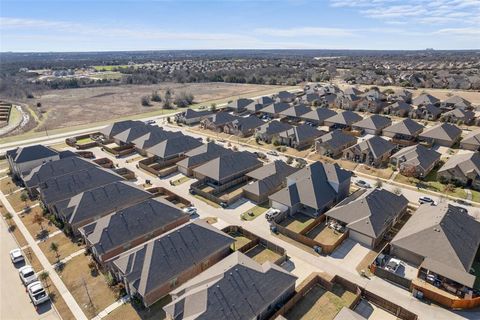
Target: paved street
(14, 301)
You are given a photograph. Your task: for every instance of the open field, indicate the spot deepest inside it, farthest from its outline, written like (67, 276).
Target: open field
(71, 107)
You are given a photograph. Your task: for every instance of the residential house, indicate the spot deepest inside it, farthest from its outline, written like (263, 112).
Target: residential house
(257, 105)
(372, 125)
(23, 159)
(217, 121)
(227, 169)
(444, 134)
(328, 100)
(459, 116)
(426, 112)
(274, 110)
(402, 95)
(267, 180)
(353, 91)
(425, 99)
(118, 127)
(66, 186)
(174, 149)
(347, 101)
(404, 131)
(115, 233)
(52, 169)
(333, 143)
(243, 126)
(311, 99)
(216, 292)
(471, 141)
(462, 169)
(239, 105)
(201, 155)
(416, 160)
(271, 130)
(372, 103)
(313, 189)
(342, 120)
(191, 116)
(374, 151)
(127, 136)
(87, 206)
(369, 214)
(443, 242)
(398, 109)
(152, 138)
(300, 137)
(153, 269)
(318, 115)
(295, 112)
(285, 96)
(456, 102)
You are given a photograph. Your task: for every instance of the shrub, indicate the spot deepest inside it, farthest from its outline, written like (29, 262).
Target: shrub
(156, 96)
(145, 100)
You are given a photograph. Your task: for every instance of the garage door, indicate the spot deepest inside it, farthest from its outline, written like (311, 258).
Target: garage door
(360, 238)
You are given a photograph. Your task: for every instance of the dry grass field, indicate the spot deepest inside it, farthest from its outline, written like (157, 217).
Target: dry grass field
(71, 107)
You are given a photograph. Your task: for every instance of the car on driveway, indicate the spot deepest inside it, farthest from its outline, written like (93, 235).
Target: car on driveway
(16, 256)
(37, 293)
(271, 214)
(428, 200)
(272, 153)
(27, 275)
(393, 265)
(363, 184)
(462, 202)
(190, 210)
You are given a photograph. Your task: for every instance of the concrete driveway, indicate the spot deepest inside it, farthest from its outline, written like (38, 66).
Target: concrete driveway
(350, 253)
(14, 301)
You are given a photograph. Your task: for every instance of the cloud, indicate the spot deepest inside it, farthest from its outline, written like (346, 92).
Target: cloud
(306, 31)
(459, 31)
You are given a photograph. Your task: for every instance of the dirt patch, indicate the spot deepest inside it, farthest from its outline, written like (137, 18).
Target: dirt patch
(70, 107)
(8, 186)
(32, 259)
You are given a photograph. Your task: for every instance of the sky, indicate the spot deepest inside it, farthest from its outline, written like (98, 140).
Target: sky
(112, 25)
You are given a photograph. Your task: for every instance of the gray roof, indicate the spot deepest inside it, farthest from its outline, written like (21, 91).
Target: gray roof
(100, 201)
(202, 154)
(275, 108)
(239, 104)
(228, 165)
(376, 145)
(418, 155)
(274, 127)
(120, 227)
(265, 100)
(443, 131)
(458, 102)
(345, 118)
(192, 114)
(155, 136)
(130, 134)
(425, 99)
(447, 236)
(472, 138)
(302, 133)
(466, 115)
(319, 114)
(68, 185)
(405, 127)
(158, 261)
(315, 185)
(221, 118)
(255, 106)
(296, 111)
(174, 146)
(54, 169)
(30, 153)
(245, 124)
(466, 162)
(336, 139)
(120, 126)
(401, 105)
(235, 288)
(353, 91)
(374, 122)
(369, 213)
(269, 177)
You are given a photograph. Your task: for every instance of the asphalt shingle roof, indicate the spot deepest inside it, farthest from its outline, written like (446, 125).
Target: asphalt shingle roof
(345, 118)
(174, 146)
(30, 153)
(443, 131)
(374, 122)
(202, 154)
(406, 127)
(418, 155)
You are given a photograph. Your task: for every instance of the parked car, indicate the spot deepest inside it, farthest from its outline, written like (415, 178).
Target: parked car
(272, 153)
(271, 214)
(37, 293)
(363, 184)
(190, 210)
(150, 122)
(27, 275)
(16, 256)
(423, 200)
(463, 202)
(393, 265)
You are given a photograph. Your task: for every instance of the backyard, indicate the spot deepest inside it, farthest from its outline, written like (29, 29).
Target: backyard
(240, 240)
(324, 235)
(262, 254)
(296, 223)
(320, 304)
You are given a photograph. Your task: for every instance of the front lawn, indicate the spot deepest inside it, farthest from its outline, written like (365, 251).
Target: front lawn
(254, 212)
(28, 219)
(16, 202)
(91, 292)
(65, 247)
(180, 181)
(128, 311)
(7, 185)
(384, 173)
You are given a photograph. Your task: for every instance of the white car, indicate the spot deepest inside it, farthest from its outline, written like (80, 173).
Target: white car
(27, 275)
(271, 214)
(190, 210)
(363, 184)
(37, 293)
(16, 256)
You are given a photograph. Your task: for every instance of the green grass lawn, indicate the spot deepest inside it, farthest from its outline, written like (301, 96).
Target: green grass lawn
(180, 181)
(256, 211)
(110, 68)
(84, 141)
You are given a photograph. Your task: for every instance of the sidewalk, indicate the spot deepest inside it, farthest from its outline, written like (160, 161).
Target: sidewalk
(69, 300)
